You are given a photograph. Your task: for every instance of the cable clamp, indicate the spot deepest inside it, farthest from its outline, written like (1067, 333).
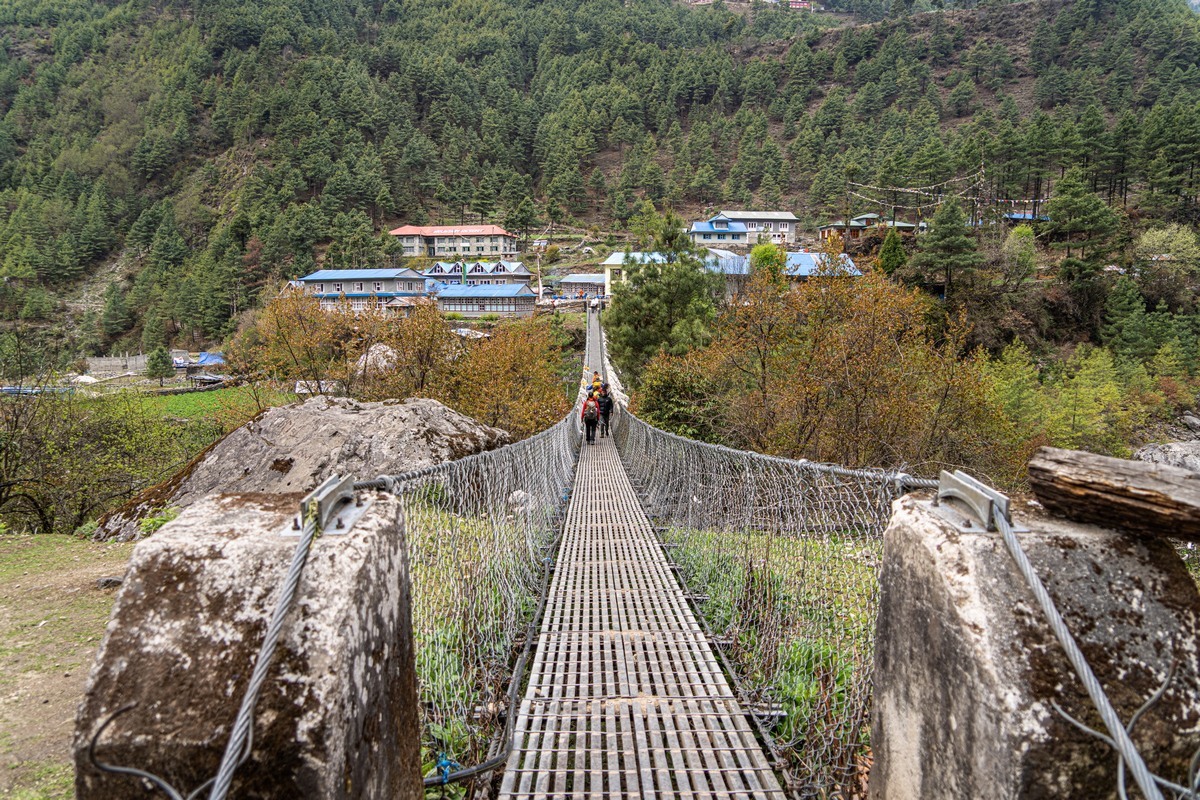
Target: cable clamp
(333, 506)
(981, 500)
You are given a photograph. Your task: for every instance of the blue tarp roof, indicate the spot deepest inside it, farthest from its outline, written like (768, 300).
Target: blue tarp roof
(486, 290)
(617, 259)
(799, 265)
(207, 359)
(361, 275)
(710, 227)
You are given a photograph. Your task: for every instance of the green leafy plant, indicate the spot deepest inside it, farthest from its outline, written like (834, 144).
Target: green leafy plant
(151, 524)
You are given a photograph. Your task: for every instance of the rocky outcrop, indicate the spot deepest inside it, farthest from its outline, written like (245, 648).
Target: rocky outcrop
(338, 715)
(968, 672)
(294, 448)
(1176, 454)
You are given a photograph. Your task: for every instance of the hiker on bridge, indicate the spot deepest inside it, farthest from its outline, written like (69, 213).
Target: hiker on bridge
(606, 407)
(596, 383)
(591, 416)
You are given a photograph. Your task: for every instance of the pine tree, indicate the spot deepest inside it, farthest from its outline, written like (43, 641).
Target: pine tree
(115, 320)
(522, 218)
(1079, 219)
(948, 248)
(159, 365)
(1124, 330)
(154, 332)
(891, 254)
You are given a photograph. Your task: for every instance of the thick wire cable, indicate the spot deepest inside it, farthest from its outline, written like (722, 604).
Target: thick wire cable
(241, 741)
(1112, 721)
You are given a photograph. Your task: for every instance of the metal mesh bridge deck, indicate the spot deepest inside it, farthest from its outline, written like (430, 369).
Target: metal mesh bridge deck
(625, 696)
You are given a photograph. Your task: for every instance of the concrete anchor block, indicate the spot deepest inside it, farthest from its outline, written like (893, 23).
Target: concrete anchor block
(967, 669)
(338, 716)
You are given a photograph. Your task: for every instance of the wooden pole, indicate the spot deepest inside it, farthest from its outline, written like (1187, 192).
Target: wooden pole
(1137, 496)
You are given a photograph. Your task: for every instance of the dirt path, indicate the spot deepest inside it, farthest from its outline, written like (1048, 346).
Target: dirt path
(52, 616)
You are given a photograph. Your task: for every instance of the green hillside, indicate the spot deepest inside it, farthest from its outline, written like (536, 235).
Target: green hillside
(161, 163)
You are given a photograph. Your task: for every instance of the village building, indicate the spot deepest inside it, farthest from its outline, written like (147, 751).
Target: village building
(583, 284)
(745, 229)
(800, 266)
(506, 300)
(455, 241)
(616, 266)
(479, 273)
(364, 288)
(857, 226)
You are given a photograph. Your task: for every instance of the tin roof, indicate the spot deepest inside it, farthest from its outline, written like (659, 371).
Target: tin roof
(363, 275)
(456, 290)
(786, 216)
(450, 230)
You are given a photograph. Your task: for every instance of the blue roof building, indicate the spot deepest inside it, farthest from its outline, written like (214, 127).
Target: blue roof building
(800, 267)
(732, 228)
(506, 300)
(474, 273)
(803, 265)
(363, 288)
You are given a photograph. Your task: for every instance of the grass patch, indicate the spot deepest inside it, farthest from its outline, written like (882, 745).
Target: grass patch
(798, 613)
(52, 618)
(232, 406)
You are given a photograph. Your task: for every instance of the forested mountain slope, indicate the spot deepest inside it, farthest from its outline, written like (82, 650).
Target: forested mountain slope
(199, 151)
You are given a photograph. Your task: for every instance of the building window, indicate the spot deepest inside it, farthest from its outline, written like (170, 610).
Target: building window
(320, 288)
(737, 237)
(379, 286)
(720, 237)
(495, 248)
(358, 287)
(708, 236)
(337, 288)
(783, 226)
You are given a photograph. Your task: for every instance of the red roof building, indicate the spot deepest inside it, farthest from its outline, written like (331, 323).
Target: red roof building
(456, 241)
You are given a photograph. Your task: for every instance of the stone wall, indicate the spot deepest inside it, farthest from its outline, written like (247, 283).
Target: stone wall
(338, 716)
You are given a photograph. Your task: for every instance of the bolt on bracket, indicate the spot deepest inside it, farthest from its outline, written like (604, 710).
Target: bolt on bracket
(980, 499)
(333, 505)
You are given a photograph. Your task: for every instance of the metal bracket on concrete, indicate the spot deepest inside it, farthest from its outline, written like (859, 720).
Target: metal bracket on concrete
(334, 505)
(981, 500)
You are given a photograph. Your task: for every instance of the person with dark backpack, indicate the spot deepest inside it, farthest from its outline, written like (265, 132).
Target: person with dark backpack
(606, 407)
(591, 416)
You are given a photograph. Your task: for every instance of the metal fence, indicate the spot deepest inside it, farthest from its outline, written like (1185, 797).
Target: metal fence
(781, 559)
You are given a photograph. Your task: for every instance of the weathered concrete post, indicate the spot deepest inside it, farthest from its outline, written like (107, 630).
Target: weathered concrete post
(967, 669)
(338, 716)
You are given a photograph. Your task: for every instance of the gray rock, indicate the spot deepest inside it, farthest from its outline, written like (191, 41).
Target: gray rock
(294, 448)
(338, 716)
(1191, 421)
(966, 668)
(1176, 454)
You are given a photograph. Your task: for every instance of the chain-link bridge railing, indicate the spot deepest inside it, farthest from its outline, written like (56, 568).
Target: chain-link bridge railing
(781, 559)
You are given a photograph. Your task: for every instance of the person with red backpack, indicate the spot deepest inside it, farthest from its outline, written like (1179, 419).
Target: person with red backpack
(591, 416)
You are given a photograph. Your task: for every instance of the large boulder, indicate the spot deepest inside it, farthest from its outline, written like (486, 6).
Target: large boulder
(338, 716)
(1176, 454)
(294, 448)
(968, 672)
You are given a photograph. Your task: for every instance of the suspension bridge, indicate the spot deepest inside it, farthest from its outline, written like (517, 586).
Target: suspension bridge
(626, 696)
(697, 622)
